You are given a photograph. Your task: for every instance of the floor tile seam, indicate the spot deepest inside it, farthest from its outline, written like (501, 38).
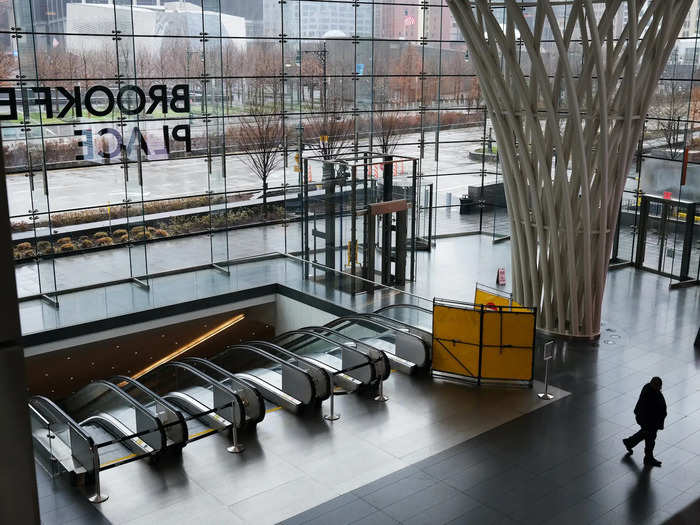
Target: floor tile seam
(267, 489)
(341, 507)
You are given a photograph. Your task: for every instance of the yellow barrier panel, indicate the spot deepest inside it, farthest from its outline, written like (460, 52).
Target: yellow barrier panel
(479, 342)
(508, 343)
(491, 297)
(456, 340)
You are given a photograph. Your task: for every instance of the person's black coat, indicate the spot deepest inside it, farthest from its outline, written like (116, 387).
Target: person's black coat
(651, 408)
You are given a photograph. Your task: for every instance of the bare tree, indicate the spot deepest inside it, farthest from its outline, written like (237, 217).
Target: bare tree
(330, 134)
(670, 109)
(386, 130)
(260, 139)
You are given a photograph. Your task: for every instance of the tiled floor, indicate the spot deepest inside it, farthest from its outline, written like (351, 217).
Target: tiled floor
(563, 463)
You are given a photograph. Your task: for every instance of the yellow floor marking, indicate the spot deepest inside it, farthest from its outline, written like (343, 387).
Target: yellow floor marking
(117, 460)
(272, 409)
(200, 433)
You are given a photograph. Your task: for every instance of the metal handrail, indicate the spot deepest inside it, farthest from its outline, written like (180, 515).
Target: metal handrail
(135, 404)
(213, 366)
(274, 359)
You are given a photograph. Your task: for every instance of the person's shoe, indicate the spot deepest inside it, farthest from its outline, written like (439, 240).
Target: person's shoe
(652, 462)
(626, 442)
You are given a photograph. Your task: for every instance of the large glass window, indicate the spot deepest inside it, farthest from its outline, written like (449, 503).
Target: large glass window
(143, 137)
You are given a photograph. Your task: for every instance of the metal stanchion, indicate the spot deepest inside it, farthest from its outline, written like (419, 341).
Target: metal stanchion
(332, 416)
(97, 497)
(236, 447)
(548, 355)
(380, 395)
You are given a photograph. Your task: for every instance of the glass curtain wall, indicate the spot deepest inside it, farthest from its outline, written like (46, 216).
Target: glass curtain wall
(142, 137)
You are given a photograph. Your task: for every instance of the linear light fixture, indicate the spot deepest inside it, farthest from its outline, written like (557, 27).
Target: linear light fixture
(189, 346)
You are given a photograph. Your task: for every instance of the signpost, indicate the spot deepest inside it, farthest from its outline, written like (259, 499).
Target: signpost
(548, 355)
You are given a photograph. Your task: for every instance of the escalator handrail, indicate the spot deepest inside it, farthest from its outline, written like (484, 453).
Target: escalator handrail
(39, 402)
(370, 360)
(390, 320)
(382, 322)
(382, 354)
(274, 359)
(143, 388)
(322, 371)
(404, 305)
(135, 404)
(208, 379)
(303, 332)
(233, 378)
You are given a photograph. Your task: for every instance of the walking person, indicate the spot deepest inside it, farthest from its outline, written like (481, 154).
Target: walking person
(650, 413)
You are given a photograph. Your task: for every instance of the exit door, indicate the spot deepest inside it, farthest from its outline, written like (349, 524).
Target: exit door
(665, 242)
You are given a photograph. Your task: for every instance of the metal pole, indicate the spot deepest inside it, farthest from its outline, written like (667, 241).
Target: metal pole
(97, 497)
(237, 447)
(380, 394)
(548, 354)
(332, 416)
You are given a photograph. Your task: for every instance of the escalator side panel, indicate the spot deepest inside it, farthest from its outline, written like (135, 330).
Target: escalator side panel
(156, 438)
(412, 349)
(297, 385)
(352, 358)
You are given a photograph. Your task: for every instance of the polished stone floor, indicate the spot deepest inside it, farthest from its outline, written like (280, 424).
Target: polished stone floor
(565, 463)
(439, 453)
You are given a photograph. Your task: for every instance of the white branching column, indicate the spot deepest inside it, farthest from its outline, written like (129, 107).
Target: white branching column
(567, 116)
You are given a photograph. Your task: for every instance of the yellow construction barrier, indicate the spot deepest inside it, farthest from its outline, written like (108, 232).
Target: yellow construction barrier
(483, 342)
(492, 296)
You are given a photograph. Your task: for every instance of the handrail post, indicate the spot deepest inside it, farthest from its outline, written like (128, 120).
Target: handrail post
(332, 416)
(236, 447)
(98, 496)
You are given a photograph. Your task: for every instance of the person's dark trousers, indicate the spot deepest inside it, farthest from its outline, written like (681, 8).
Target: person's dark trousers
(648, 435)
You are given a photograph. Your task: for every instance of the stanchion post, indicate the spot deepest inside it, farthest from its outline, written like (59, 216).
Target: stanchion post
(236, 447)
(548, 355)
(332, 416)
(97, 497)
(380, 394)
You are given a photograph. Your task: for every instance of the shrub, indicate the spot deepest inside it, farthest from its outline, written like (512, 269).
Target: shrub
(119, 233)
(98, 235)
(43, 247)
(23, 246)
(64, 240)
(140, 236)
(66, 247)
(23, 253)
(104, 241)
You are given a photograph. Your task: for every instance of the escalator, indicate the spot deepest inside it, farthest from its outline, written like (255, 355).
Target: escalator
(121, 428)
(353, 365)
(253, 401)
(171, 418)
(207, 405)
(407, 347)
(278, 376)
(415, 316)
